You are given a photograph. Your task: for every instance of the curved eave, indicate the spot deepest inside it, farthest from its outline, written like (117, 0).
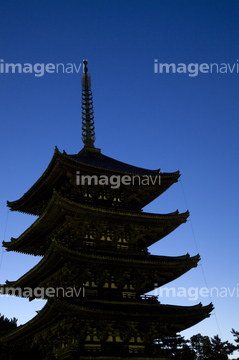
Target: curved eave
(57, 256)
(160, 311)
(60, 164)
(180, 317)
(96, 160)
(31, 197)
(59, 207)
(171, 273)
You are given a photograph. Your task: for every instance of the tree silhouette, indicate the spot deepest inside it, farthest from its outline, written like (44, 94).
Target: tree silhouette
(6, 324)
(199, 347)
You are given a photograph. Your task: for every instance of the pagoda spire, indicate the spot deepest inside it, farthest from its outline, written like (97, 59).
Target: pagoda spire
(88, 127)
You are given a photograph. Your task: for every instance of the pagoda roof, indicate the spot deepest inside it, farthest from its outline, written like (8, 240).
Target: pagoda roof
(98, 160)
(90, 162)
(175, 318)
(35, 240)
(169, 268)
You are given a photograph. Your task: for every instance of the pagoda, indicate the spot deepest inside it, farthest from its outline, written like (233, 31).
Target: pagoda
(96, 269)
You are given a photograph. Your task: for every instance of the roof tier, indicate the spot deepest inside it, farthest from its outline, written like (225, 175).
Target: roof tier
(150, 321)
(61, 174)
(81, 225)
(63, 267)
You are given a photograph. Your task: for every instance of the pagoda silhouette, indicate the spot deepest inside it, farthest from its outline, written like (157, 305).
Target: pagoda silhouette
(96, 269)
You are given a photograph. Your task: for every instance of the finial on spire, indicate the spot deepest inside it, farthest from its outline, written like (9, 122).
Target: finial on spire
(88, 127)
(85, 62)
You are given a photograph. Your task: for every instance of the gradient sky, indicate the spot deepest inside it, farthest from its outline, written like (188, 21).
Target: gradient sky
(171, 121)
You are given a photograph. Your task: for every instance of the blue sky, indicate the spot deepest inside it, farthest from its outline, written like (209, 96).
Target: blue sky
(171, 121)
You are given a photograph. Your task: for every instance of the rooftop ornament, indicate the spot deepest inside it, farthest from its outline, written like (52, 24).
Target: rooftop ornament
(88, 127)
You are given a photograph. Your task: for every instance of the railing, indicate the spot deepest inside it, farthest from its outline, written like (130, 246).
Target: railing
(150, 298)
(91, 293)
(136, 350)
(92, 349)
(124, 350)
(125, 295)
(128, 295)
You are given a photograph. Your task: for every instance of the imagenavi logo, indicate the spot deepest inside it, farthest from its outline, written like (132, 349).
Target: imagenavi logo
(39, 69)
(115, 181)
(194, 69)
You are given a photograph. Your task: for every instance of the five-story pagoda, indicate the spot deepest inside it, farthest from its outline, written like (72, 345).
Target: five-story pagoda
(96, 268)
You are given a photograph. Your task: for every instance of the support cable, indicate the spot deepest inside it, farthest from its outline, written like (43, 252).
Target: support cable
(4, 237)
(203, 272)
